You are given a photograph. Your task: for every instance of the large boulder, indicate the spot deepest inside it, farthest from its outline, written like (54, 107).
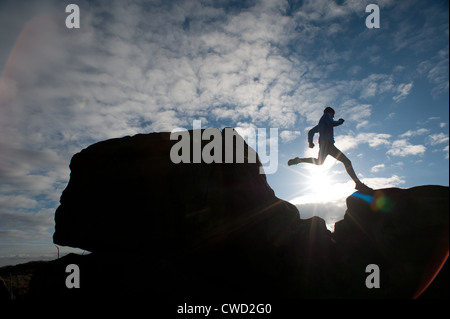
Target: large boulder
(221, 223)
(127, 193)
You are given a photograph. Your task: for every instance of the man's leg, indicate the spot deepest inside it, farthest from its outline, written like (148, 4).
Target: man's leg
(323, 152)
(337, 154)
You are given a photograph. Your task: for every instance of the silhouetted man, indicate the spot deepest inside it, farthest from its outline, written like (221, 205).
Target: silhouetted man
(326, 147)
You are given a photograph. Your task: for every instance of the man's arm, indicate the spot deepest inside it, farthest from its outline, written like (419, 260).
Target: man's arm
(311, 133)
(329, 121)
(338, 122)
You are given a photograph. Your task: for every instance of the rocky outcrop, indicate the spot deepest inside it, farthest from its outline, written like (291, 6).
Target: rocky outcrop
(127, 194)
(219, 225)
(217, 230)
(403, 231)
(5, 294)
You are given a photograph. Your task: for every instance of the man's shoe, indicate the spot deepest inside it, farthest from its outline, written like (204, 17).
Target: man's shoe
(294, 161)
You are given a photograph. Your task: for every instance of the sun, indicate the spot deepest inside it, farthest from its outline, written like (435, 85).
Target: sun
(320, 181)
(321, 184)
(324, 183)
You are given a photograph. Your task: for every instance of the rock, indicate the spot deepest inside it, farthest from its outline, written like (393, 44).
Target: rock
(403, 231)
(5, 294)
(126, 195)
(214, 231)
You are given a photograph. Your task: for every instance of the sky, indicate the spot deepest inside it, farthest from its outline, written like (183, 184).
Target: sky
(151, 66)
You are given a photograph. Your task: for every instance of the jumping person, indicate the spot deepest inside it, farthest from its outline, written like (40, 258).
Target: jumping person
(326, 147)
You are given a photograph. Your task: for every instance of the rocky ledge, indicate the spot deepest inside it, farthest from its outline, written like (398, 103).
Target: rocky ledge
(217, 230)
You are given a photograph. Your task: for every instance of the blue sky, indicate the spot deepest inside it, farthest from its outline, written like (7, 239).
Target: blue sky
(136, 67)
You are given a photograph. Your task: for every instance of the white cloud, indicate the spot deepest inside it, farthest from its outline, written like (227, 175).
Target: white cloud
(439, 138)
(17, 201)
(331, 212)
(410, 133)
(403, 89)
(346, 142)
(375, 139)
(384, 182)
(354, 111)
(288, 136)
(377, 168)
(376, 84)
(362, 124)
(403, 148)
(327, 193)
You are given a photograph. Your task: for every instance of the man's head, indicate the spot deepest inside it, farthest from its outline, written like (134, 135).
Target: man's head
(329, 110)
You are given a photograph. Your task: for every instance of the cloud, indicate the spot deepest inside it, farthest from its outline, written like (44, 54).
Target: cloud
(375, 139)
(326, 193)
(384, 182)
(436, 70)
(331, 212)
(354, 111)
(354, 70)
(438, 73)
(31, 173)
(390, 116)
(288, 136)
(403, 148)
(346, 142)
(376, 84)
(439, 138)
(410, 133)
(127, 71)
(377, 168)
(445, 150)
(17, 201)
(31, 222)
(403, 90)
(362, 124)
(407, 37)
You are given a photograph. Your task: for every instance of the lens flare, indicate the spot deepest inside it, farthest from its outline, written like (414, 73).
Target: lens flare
(379, 202)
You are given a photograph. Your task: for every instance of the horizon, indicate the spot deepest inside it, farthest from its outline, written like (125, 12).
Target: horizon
(157, 66)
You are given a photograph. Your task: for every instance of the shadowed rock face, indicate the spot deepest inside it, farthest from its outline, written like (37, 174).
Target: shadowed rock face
(218, 231)
(403, 231)
(220, 223)
(127, 194)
